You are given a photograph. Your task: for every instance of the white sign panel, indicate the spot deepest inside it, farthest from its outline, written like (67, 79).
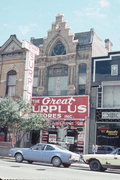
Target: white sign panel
(52, 138)
(28, 46)
(28, 78)
(110, 115)
(70, 139)
(29, 69)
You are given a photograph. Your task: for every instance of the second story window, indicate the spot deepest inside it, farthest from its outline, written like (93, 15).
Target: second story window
(35, 81)
(11, 83)
(57, 80)
(111, 96)
(114, 70)
(108, 96)
(82, 78)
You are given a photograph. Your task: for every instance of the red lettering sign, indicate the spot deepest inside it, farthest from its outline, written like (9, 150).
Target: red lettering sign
(67, 107)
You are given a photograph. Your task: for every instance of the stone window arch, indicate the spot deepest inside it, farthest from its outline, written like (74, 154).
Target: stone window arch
(11, 83)
(58, 49)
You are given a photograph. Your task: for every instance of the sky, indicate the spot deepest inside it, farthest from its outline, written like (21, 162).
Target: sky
(33, 18)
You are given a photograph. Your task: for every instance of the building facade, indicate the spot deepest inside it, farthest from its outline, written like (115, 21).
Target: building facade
(105, 100)
(62, 69)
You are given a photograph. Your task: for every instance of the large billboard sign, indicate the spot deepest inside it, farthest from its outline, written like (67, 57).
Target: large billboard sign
(62, 107)
(29, 69)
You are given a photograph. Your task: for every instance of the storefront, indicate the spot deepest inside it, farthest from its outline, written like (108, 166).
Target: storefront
(108, 127)
(67, 115)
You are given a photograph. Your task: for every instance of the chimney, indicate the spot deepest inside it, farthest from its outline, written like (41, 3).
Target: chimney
(108, 45)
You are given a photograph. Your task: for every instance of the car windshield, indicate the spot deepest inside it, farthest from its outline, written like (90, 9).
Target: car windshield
(116, 151)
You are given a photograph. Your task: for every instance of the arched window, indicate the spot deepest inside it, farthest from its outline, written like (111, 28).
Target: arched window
(11, 83)
(58, 49)
(82, 78)
(57, 80)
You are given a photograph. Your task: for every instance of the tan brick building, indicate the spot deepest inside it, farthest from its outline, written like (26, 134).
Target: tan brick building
(12, 62)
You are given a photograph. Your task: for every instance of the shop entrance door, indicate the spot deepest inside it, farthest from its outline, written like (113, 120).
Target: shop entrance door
(35, 137)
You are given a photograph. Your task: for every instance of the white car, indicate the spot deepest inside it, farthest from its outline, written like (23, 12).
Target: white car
(100, 162)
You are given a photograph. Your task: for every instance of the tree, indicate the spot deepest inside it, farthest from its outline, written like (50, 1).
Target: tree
(16, 116)
(9, 114)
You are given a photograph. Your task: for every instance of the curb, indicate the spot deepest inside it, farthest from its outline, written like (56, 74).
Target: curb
(6, 157)
(74, 164)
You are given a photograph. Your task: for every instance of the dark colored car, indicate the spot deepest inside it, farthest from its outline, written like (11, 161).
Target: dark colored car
(105, 149)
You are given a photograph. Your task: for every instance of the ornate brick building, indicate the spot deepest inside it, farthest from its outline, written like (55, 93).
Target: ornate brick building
(62, 69)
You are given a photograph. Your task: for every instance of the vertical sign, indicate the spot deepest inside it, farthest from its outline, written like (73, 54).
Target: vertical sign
(29, 69)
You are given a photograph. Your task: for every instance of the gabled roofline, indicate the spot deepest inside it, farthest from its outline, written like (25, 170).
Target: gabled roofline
(11, 38)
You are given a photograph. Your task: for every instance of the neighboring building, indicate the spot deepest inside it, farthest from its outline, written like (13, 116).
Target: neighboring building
(12, 66)
(63, 68)
(12, 70)
(105, 100)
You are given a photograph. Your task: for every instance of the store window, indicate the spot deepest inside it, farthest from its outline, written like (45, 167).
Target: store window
(11, 83)
(82, 78)
(57, 80)
(108, 134)
(35, 81)
(111, 96)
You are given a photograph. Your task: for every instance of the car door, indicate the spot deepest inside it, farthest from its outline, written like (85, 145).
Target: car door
(114, 159)
(35, 153)
(48, 153)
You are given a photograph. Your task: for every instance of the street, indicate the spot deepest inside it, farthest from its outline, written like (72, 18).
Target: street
(9, 169)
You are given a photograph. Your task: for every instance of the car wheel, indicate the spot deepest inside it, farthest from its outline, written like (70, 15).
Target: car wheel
(56, 161)
(66, 165)
(19, 157)
(95, 165)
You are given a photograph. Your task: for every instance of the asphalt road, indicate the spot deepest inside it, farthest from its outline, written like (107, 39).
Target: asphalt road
(9, 169)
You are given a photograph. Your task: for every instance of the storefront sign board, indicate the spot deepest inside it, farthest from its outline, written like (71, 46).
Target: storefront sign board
(62, 107)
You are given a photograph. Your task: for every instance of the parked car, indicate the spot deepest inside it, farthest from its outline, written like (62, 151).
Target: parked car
(100, 162)
(49, 153)
(105, 149)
